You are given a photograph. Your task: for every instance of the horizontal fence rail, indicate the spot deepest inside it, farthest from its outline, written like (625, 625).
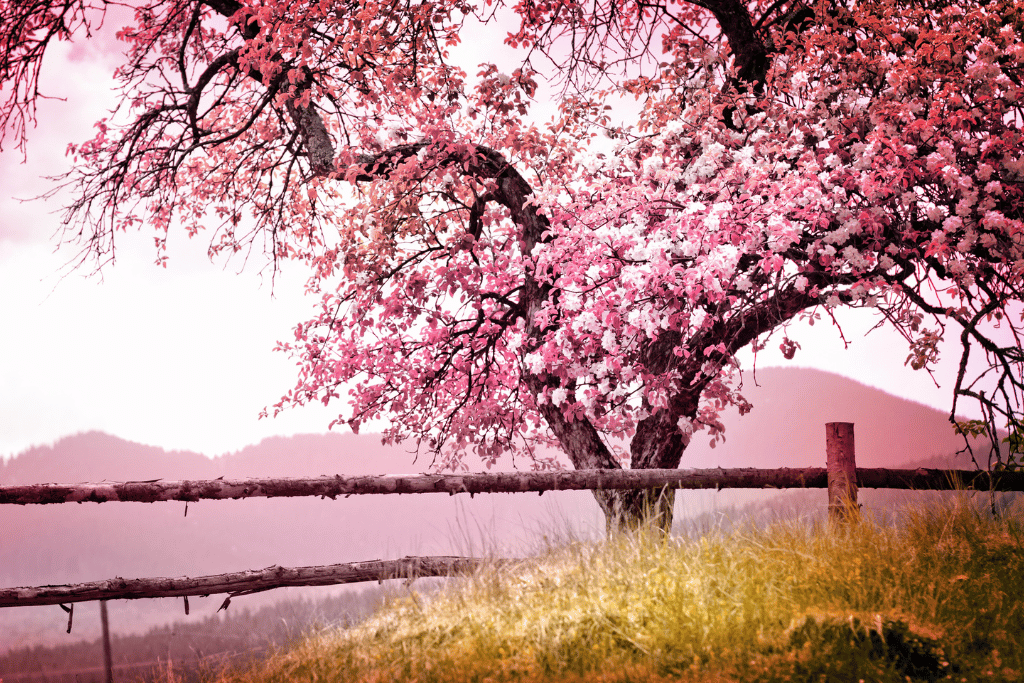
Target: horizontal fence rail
(500, 482)
(242, 583)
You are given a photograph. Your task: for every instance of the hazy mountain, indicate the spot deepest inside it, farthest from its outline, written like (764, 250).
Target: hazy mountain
(786, 428)
(74, 543)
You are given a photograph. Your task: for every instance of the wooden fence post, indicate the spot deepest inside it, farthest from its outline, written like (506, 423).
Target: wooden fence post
(842, 471)
(108, 662)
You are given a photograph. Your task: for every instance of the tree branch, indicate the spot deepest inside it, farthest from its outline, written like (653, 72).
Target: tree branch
(750, 53)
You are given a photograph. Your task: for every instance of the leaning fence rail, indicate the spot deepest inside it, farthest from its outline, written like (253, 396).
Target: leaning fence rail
(236, 584)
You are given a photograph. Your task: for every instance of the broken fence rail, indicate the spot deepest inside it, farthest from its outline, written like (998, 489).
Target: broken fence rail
(500, 482)
(241, 583)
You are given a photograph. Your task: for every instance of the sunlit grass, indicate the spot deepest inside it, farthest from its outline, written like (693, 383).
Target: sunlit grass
(935, 597)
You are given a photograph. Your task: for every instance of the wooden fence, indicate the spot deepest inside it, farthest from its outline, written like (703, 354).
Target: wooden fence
(840, 476)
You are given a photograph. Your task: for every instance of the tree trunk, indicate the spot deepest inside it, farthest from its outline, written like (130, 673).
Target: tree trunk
(661, 445)
(637, 509)
(657, 444)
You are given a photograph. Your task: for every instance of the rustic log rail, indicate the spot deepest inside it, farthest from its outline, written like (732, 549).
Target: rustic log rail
(241, 583)
(500, 482)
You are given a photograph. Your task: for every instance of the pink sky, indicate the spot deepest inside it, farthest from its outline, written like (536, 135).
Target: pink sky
(181, 358)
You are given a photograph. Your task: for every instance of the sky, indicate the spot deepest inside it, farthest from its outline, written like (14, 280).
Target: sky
(182, 357)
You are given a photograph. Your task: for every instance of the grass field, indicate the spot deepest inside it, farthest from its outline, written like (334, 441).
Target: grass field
(934, 596)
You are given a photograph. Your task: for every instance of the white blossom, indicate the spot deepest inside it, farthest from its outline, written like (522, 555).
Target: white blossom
(965, 206)
(957, 268)
(586, 322)
(855, 258)
(967, 243)
(697, 317)
(534, 363)
(609, 342)
(571, 301)
(934, 213)
(653, 164)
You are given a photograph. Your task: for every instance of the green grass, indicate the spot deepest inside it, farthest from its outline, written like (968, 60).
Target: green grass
(936, 596)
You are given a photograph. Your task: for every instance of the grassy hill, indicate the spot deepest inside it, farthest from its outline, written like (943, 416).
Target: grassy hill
(934, 597)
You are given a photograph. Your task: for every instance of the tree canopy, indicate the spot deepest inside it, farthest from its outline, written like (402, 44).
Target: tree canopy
(490, 281)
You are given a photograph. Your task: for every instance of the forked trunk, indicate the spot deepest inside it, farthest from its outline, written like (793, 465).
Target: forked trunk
(657, 444)
(627, 510)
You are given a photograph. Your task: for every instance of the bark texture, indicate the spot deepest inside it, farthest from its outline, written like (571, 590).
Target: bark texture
(239, 583)
(601, 480)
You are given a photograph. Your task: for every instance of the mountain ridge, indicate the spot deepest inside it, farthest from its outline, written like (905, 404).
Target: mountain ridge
(802, 402)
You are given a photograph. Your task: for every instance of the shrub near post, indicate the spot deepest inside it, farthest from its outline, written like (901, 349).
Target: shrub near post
(842, 471)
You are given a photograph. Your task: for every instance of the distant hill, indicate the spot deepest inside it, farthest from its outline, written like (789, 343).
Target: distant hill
(786, 428)
(73, 543)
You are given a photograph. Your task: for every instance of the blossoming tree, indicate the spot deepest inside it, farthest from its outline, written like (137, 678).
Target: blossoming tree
(490, 283)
